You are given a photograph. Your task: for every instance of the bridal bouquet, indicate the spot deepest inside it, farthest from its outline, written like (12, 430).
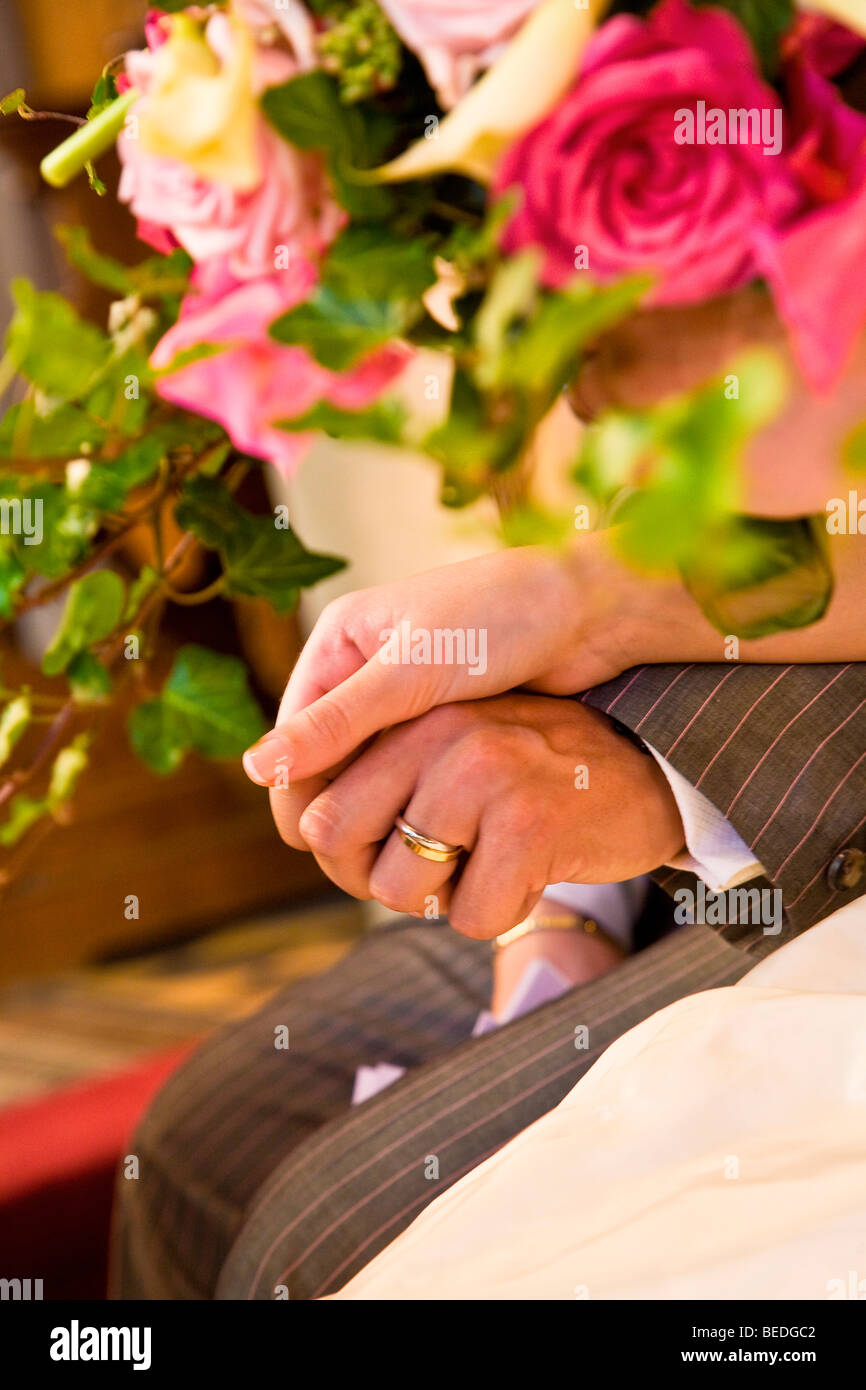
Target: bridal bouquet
(330, 188)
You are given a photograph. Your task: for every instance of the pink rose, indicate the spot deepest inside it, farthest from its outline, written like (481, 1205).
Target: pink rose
(291, 211)
(456, 39)
(156, 28)
(605, 172)
(255, 381)
(816, 264)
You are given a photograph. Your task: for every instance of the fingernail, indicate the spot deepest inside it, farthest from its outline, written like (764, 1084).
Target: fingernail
(265, 758)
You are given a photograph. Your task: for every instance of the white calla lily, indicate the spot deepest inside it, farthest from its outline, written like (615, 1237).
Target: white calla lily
(526, 83)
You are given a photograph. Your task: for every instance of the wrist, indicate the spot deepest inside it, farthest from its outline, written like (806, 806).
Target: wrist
(579, 956)
(645, 617)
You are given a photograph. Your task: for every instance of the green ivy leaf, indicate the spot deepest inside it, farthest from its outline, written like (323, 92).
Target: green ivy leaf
(510, 298)
(309, 113)
(107, 484)
(12, 578)
(141, 586)
(469, 450)
(24, 812)
(64, 432)
(156, 276)
(104, 93)
(67, 530)
(370, 292)
(205, 705)
(375, 262)
(14, 720)
(471, 246)
(682, 458)
(66, 770)
(338, 332)
(759, 577)
(94, 180)
(543, 357)
(93, 609)
(260, 560)
(51, 346)
(88, 679)
(121, 393)
(383, 421)
(13, 102)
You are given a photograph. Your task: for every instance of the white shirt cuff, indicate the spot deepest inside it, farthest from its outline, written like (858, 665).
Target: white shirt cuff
(714, 851)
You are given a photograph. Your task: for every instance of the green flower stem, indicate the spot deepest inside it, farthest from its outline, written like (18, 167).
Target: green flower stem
(88, 142)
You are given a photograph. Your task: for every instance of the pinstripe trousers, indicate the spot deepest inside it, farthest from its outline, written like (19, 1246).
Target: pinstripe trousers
(257, 1180)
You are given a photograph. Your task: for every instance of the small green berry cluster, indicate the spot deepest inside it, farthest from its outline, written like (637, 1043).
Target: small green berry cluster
(359, 47)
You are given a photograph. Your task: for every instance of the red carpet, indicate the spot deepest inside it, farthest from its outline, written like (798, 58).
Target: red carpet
(58, 1160)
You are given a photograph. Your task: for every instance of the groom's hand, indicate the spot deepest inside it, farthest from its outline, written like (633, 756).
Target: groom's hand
(558, 622)
(537, 790)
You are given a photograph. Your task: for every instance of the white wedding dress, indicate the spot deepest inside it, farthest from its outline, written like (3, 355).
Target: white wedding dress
(717, 1150)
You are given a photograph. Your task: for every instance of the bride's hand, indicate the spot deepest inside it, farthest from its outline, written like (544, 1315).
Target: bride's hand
(556, 623)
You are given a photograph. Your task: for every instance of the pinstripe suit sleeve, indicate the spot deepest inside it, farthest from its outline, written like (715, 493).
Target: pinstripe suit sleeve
(781, 751)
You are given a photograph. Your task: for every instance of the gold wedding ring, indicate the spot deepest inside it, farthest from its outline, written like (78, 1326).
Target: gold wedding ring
(435, 850)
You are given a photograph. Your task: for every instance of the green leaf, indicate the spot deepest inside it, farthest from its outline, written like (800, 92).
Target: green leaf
(93, 610)
(205, 705)
(67, 528)
(12, 578)
(338, 332)
(683, 458)
(854, 451)
(51, 346)
(469, 450)
(543, 357)
(760, 577)
(13, 102)
(260, 559)
(102, 270)
(104, 93)
(107, 484)
(370, 292)
(64, 432)
(66, 770)
(126, 405)
(93, 178)
(15, 719)
(765, 21)
(153, 277)
(376, 262)
(383, 421)
(144, 584)
(24, 812)
(308, 112)
(88, 679)
(471, 246)
(511, 296)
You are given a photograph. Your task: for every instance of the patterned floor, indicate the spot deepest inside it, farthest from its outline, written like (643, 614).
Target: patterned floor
(66, 1027)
